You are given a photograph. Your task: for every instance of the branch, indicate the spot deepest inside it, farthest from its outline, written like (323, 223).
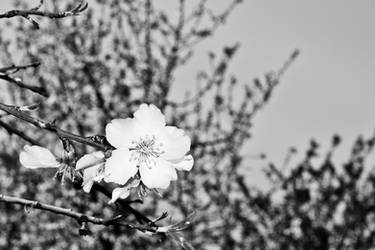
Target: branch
(36, 12)
(80, 217)
(15, 111)
(7, 71)
(12, 130)
(40, 90)
(16, 68)
(12, 110)
(213, 142)
(138, 215)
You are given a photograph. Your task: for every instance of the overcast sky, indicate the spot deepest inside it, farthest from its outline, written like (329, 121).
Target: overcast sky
(330, 88)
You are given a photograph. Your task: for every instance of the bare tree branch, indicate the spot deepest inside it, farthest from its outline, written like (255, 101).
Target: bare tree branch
(15, 68)
(17, 81)
(36, 12)
(80, 217)
(6, 72)
(51, 127)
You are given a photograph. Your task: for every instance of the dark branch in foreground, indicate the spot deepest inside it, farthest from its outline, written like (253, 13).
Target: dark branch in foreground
(36, 12)
(80, 217)
(12, 110)
(83, 220)
(124, 205)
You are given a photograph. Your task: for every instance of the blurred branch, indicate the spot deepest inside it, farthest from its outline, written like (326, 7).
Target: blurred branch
(6, 72)
(196, 35)
(216, 76)
(40, 90)
(36, 12)
(213, 142)
(173, 56)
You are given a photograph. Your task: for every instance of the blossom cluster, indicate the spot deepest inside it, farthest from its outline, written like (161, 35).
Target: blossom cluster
(147, 152)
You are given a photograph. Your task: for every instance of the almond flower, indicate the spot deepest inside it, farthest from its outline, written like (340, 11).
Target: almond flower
(146, 145)
(38, 157)
(92, 166)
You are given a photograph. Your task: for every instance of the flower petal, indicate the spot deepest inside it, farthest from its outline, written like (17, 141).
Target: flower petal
(150, 118)
(159, 175)
(121, 132)
(38, 157)
(175, 143)
(87, 186)
(123, 192)
(117, 193)
(90, 160)
(90, 175)
(185, 164)
(119, 168)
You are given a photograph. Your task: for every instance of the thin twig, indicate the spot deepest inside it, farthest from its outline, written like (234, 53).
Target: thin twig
(51, 127)
(36, 12)
(7, 71)
(12, 130)
(80, 217)
(40, 90)
(16, 68)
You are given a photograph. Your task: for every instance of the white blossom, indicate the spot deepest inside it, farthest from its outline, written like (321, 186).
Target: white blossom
(92, 166)
(38, 157)
(146, 145)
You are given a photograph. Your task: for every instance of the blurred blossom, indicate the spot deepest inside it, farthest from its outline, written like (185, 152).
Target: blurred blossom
(314, 190)
(295, 228)
(278, 196)
(38, 157)
(146, 144)
(338, 217)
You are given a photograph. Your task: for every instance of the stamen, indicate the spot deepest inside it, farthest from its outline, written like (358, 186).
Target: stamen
(143, 150)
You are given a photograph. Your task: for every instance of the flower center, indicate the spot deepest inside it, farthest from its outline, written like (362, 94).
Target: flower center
(144, 150)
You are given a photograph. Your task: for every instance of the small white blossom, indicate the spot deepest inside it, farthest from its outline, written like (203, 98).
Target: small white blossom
(93, 169)
(145, 144)
(38, 157)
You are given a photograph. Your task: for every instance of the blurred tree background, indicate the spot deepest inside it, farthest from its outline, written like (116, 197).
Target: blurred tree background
(118, 54)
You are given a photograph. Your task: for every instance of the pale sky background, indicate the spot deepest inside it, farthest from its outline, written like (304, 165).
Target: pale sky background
(329, 89)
